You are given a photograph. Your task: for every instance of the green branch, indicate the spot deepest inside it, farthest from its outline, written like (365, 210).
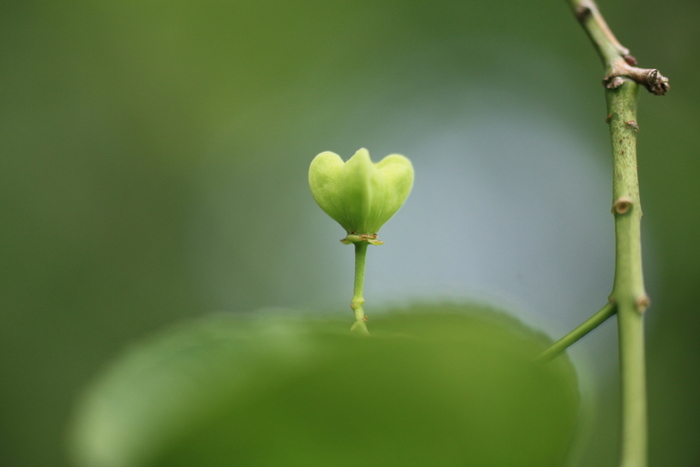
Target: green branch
(628, 297)
(618, 61)
(628, 289)
(584, 328)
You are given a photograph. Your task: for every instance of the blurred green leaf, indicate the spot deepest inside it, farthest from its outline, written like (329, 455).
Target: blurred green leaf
(434, 386)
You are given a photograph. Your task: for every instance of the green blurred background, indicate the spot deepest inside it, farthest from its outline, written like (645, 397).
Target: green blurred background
(153, 160)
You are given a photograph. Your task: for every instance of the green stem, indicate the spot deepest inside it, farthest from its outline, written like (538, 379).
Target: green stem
(358, 300)
(628, 296)
(628, 290)
(605, 42)
(584, 328)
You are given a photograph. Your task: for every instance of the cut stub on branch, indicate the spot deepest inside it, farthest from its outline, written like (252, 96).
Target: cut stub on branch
(656, 83)
(651, 79)
(616, 57)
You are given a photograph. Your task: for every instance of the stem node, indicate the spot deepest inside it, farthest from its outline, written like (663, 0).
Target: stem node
(622, 205)
(582, 12)
(633, 125)
(641, 303)
(613, 82)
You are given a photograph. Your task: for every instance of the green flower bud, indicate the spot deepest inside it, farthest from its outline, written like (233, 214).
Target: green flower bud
(359, 194)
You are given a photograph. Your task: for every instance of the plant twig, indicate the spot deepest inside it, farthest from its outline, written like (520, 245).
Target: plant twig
(617, 59)
(628, 292)
(584, 328)
(628, 295)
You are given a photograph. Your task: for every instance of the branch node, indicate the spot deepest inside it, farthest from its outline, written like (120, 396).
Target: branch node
(641, 303)
(582, 12)
(632, 125)
(622, 205)
(650, 78)
(630, 59)
(613, 82)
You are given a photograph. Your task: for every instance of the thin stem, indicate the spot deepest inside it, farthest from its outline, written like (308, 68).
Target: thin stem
(605, 42)
(628, 295)
(581, 330)
(358, 300)
(628, 289)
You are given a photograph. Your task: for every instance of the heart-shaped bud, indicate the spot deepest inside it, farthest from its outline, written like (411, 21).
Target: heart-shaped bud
(359, 194)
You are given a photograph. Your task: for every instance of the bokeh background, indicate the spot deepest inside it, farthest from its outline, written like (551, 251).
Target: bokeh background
(153, 160)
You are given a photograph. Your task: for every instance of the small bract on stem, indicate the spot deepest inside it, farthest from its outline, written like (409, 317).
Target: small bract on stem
(361, 196)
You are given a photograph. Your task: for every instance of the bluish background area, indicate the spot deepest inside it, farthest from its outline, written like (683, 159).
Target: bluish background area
(153, 162)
